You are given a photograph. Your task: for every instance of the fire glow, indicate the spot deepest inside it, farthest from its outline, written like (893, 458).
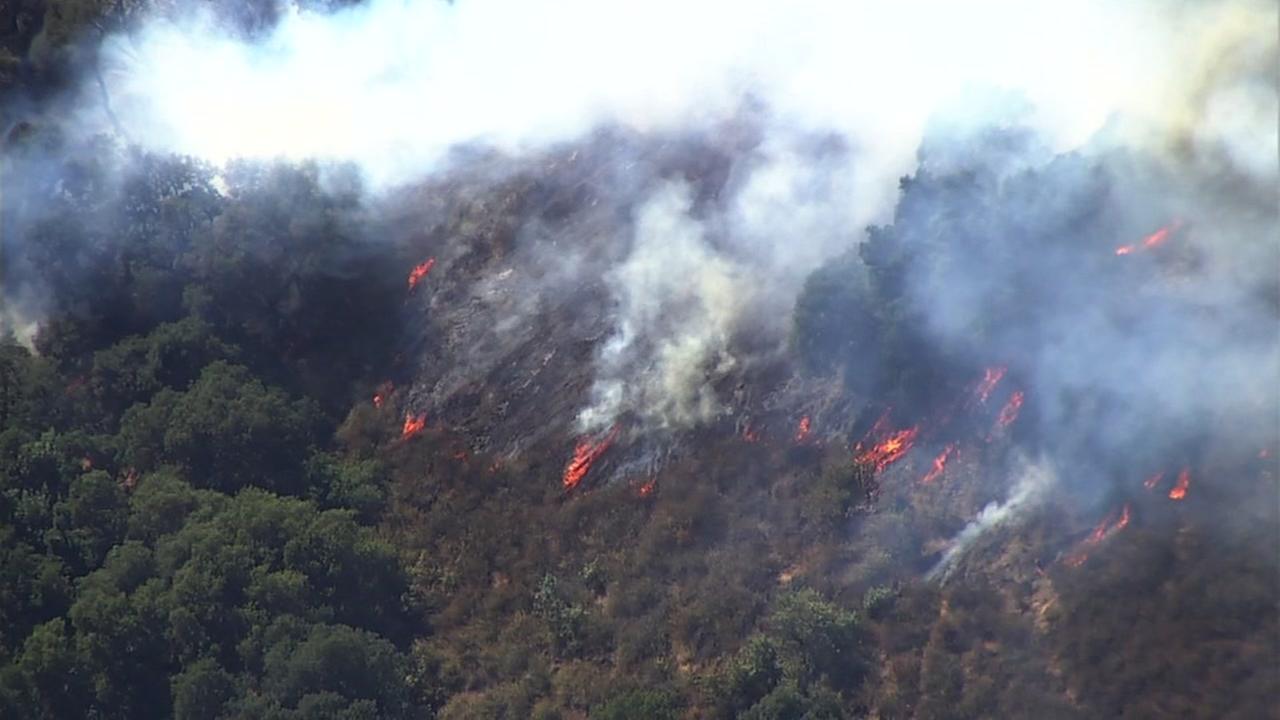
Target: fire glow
(381, 394)
(413, 424)
(890, 450)
(939, 464)
(584, 455)
(1109, 526)
(1180, 488)
(803, 430)
(991, 377)
(420, 271)
(1151, 482)
(1009, 413)
(1153, 240)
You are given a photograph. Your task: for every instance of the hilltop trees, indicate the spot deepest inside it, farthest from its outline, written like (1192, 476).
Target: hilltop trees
(179, 536)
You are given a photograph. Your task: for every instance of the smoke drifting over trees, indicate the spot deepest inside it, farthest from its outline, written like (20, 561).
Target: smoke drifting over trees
(755, 360)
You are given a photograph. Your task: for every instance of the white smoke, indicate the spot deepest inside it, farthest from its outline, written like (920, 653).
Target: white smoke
(678, 304)
(392, 84)
(1033, 480)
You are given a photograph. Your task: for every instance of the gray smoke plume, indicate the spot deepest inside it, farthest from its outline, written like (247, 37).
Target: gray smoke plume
(1032, 481)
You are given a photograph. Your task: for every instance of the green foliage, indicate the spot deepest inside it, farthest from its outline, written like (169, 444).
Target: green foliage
(226, 432)
(878, 600)
(833, 320)
(565, 620)
(818, 640)
(640, 705)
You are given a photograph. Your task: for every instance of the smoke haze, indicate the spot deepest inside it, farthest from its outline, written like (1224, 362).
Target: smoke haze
(1109, 120)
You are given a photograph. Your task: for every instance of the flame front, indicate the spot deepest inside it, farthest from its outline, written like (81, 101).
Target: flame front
(1109, 526)
(420, 271)
(991, 377)
(1009, 412)
(586, 453)
(1179, 490)
(890, 450)
(413, 424)
(939, 464)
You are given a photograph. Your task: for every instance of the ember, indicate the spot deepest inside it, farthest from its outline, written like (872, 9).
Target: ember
(381, 394)
(586, 453)
(646, 489)
(939, 464)
(420, 271)
(802, 431)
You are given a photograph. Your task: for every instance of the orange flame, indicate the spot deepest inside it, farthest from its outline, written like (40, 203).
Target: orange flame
(891, 449)
(413, 424)
(1009, 412)
(420, 271)
(877, 429)
(1109, 526)
(1153, 240)
(586, 453)
(381, 394)
(1179, 490)
(646, 489)
(1153, 481)
(990, 378)
(939, 464)
(1157, 237)
(802, 431)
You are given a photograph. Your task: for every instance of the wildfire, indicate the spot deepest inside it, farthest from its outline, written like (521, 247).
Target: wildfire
(1179, 490)
(877, 429)
(420, 271)
(1009, 412)
(1109, 526)
(990, 378)
(1153, 240)
(1151, 482)
(750, 434)
(939, 464)
(381, 394)
(802, 431)
(646, 489)
(890, 450)
(413, 424)
(586, 453)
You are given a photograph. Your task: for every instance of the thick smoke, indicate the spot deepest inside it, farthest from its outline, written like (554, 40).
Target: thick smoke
(1169, 108)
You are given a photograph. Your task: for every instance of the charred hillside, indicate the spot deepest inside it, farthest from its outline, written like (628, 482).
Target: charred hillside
(849, 511)
(622, 381)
